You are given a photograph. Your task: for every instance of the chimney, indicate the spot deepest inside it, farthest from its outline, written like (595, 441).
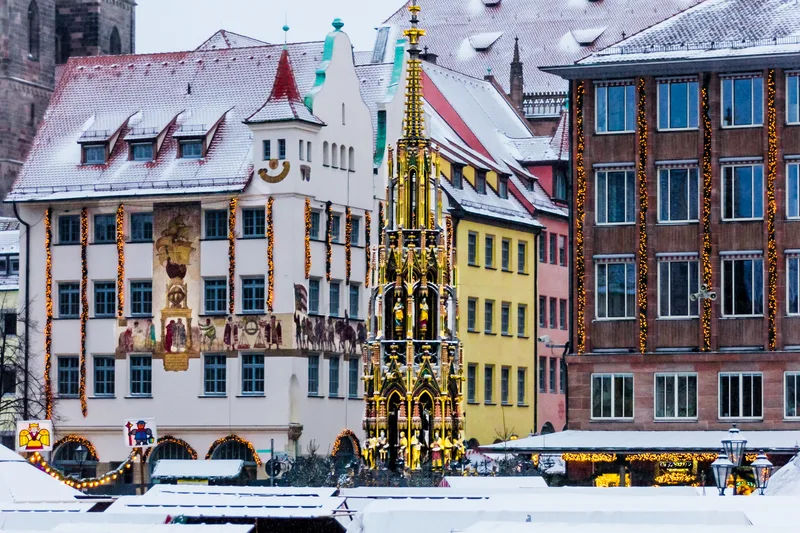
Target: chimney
(516, 78)
(430, 57)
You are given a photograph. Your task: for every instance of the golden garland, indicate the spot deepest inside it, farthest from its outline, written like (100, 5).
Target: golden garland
(705, 319)
(82, 483)
(580, 211)
(77, 439)
(307, 239)
(120, 262)
(381, 223)
(641, 172)
(346, 434)
(674, 478)
(367, 246)
(48, 305)
(233, 438)
(448, 248)
(589, 457)
(270, 254)
(671, 457)
(84, 306)
(328, 237)
(232, 256)
(772, 249)
(348, 228)
(173, 440)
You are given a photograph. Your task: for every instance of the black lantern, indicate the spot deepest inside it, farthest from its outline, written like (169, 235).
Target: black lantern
(723, 468)
(762, 469)
(81, 454)
(734, 446)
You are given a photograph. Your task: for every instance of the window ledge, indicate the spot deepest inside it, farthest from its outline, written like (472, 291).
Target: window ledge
(476, 265)
(490, 268)
(139, 316)
(212, 395)
(67, 396)
(507, 270)
(355, 398)
(103, 317)
(102, 397)
(67, 317)
(335, 397)
(506, 335)
(214, 239)
(103, 243)
(740, 126)
(490, 333)
(523, 337)
(674, 420)
(213, 315)
(505, 404)
(312, 395)
(677, 223)
(523, 405)
(472, 402)
(622, 319)
(678, 318)
(624, 132)
(602, 420)
(139, 241)
(738, 419)
(253, 395)
(251, 237)
(139, 397)
(668, 130)
(521, 273)
(734, 220)
(739, 317)
(472, 331)
(489, 403)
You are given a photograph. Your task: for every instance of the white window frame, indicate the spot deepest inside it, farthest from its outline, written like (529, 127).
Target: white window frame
(741, 405)
(612, 376)
(786, 375)
(742, 256)
(610, 260)
(674, 376)
(597, 173)
(668, 83)
(789, 166)
(733, 168)
(753, 124)
(792, 255)
(678, 259)
(789, 77)
(663, 196)
(621, 83)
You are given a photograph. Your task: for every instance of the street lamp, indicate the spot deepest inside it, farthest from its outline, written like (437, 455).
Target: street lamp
(723, 468)
(762, 469)
(81, 454)
(734, 446)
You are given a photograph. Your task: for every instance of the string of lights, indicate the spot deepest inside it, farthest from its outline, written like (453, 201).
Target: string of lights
(84, 307)
(381, 223)
(120, 261)
(671, 457)
(48, 305)
(237, 439)
(580, 212)
(582, 457)
(171, 440)
(81, 482)
(676, 477)
(705, 319)
(77, 439)
(307, 239)
(448, 222)
(641, 174)
(270, 255)
(328, 237)
(346, 434)
(232, 256)
(772, 249)
(348, 229)
(368, 245)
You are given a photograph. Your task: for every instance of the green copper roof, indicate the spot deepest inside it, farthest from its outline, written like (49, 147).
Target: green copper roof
(391, 90)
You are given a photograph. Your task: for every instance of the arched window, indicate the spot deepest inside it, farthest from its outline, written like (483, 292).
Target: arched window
(63, 46)
(342, 113)
(170, 449)
(343, 157)
(33, 31)
(308, 151)
(351, 160)
(67, 459)
(115, 43)
(234, 448)
(334, 156)
(326, 156)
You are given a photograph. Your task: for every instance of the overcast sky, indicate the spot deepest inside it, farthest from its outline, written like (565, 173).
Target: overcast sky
(172, 25)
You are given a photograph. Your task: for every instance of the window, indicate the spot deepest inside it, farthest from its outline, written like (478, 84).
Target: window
(142, 151)
(69, 304)
(333, 303)
(616, 108)
(472, 248)
(742, 287)
(69, 229)
(326, 158)
(458, 176)
(343, 157)
(351, 159)
(743, 192)
(676, 396)
(678, 195)
(793, 190)
(522, 257)
(10, 323)
(266, 149)
(521, 375)
(352, 384)
(34, 30)
(562, 377)
(793, 284)
(253, 295)
(215, 370)
(480, 181)
(488, 316)
(472, 378)
(677, 282)
(504, 377)
(560, 189)
(94, 154)
(308, 151)
(300, 151)
(354, 227)
(333, 377)
(314, 225)
(254, 222)
(612, 396)
(105, 299)
(678, 105)
(216, 224)
(104, 375)
(543, 247)
(281, 149)
(472, 312)
(740, 395)
(488, 383)
(216, 296)
(742, 101)
(141, 227)
(505, 318)
(489, 251)
(505, 253)
(343, 113)
(562, 250)
(553, 310)
(791, 392)
(542, 311)
(313, 375)
(502, 186)
(105, 229)
(335, 224)
(141, 298)
(114, 42)
(616, 290)
(68, 376)
(14, 264)
(552, 374)
(543, 374)
(334, 155)
(792, 98)
(253, 373)
(615, 197)
(562, 314)
(192, 149)
(141, 375)
(63, 45)
(553, 256)
(522, 317)
(354, 297)
(313, 296)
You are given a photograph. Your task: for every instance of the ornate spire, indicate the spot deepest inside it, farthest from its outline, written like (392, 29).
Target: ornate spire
(516, 50)
(414, 116)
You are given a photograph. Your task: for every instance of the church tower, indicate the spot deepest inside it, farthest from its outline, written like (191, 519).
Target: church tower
(413, 361)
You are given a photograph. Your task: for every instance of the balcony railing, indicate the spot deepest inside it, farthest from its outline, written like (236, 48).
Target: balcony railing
(543, 105)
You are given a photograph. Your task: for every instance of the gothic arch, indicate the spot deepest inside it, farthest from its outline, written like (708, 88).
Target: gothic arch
(34, 31)
(114, 42)
(169, 447)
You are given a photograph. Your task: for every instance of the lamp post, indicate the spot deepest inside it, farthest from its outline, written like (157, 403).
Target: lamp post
(762, 469)
(722, 469)
(730, 461)
(81, 454)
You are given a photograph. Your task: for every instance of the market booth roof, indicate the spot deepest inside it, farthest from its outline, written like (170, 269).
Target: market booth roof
(198, 469)
(528, 527)
(37, 488)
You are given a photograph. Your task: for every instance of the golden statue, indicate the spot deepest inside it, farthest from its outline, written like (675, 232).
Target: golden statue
(398, 316)
(402, 449)
(423, 316)
(416, 450)
(447, 448)
(34, 439)
(458, 446)
(436, 452)
(370, 449)
(383, 447)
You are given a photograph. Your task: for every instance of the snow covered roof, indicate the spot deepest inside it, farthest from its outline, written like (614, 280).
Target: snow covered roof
(482, 41)
(265, 492)
(197, 469)
(228, 39)
(492, 483)
(9, 241)
(203, 83)
(786, 481)
(133, 527)
(648, 441)
(38, 488)
(545, 29)
(225, 505)
(528, 527)
(8, 223)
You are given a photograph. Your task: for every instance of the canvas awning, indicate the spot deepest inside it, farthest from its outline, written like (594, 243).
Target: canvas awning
(197, 469)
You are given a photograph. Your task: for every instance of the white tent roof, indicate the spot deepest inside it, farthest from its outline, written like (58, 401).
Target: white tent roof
(786, 481)
(116, 527)
(529, 527)
(48, 521)
(197, 469)
(492, 483)
(37, 487)
(276, 492)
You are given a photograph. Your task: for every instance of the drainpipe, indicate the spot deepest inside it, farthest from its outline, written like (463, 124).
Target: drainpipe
(535, 317)
(26, 348)
(572, 265)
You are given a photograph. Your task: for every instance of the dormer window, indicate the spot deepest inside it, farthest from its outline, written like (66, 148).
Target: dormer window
(191, 149)
(94, 154)
(502, 186)
(457, 175)
(480, 182)
(142, 151)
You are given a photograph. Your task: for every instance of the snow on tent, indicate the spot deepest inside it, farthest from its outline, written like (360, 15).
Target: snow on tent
(181, 469)
(493, 484)
(786, 481)
(528, 527)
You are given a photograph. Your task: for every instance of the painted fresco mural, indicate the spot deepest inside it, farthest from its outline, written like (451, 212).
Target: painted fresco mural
(325, 334)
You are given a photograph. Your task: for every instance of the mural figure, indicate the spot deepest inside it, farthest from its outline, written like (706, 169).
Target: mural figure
(227, 336)
(151, 337)
(141, 435)
(209, 332)
(34, 438)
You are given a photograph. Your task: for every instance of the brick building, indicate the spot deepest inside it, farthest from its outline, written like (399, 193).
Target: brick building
(686, 159)
(36, 36)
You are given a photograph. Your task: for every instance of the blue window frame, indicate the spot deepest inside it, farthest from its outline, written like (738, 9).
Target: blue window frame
(69, 229)
(333, 376)
(266, 148)
(314, 225)
(141, 298)
(281, 149)
(354, 300)
(142, 151)
(472, 314)
(615, 198)
(615, 108)
(313, 375)
(253, 295)
(743, 101)
(215, 375)
(141, 227)
(793, 99)
(216, 224)
(69, 304)
(253, 222)
(94, 154)
(335, 227)
(793, 190)
(104, 373)
(354, 227)
(616, 290)
(105, 229)
(334, 298)
(191, 149)
(354, 378)
(313, 296)
(678, 105)
(216, 296)
(141, 375)
(68, 376)
(253, 373)
(105, 299)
